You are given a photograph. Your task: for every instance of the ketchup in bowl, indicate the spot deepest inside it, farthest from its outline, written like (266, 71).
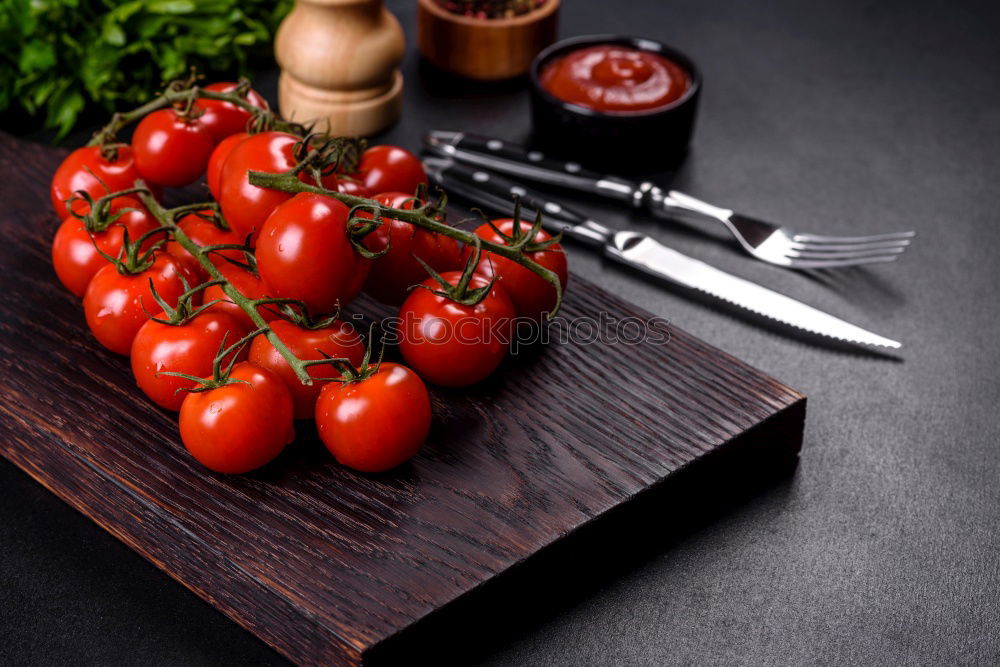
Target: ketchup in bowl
(615, 78)
(614, 101)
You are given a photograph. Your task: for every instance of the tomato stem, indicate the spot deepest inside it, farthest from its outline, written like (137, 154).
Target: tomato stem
(220, 377)
(183, 312)
(349, 372)
(201, 207)
(183, 93)
(460, 292)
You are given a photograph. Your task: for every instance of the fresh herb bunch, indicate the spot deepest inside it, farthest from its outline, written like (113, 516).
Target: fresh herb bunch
(59, 56)
(490, 9)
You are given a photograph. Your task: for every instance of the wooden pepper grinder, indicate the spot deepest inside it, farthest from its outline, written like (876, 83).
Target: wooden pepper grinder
(340, 65)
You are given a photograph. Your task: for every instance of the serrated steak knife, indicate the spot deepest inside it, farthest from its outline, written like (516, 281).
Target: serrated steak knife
(644, 253)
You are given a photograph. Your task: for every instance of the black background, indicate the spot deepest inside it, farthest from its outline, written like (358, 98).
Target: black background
(836, 117)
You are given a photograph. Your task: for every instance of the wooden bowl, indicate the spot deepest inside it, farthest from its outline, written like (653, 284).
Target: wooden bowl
(484, 49)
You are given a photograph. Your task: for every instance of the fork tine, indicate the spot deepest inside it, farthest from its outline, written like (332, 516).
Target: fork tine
(876, 245)
(796, 263)
(816, 238)
(843, 254)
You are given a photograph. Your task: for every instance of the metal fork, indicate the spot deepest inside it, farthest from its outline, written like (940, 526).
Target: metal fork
(784, 246)
(771, 243)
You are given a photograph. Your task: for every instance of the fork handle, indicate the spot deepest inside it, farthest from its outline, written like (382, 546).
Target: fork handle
(675, 201)
(516, 160)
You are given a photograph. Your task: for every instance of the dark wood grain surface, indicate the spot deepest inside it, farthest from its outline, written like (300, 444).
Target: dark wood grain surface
(324, 564)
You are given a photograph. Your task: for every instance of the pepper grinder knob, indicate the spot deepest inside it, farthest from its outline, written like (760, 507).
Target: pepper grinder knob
(339, 64)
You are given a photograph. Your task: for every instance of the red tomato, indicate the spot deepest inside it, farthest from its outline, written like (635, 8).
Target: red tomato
(387, 169)
(114, 302)
(530, 293)
(246, 206)
(248, 285)
(238, 427)
(304, 253)
(393, 273)
(188, 348)
(450, 344)
(205, 233)
(213, 174)
(74, 255)
(337, 340)
(350, 184)
(171, 150)
(86, 169)
(223, 119)
(377, 423)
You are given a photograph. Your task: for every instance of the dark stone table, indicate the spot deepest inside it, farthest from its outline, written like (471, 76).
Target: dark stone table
(883, 546)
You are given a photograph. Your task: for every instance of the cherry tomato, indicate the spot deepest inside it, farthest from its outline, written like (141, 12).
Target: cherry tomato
(213, 174)
(377, 423)
(86, 169)
(223, 119)
(393, 273)
(531, 294)
(114, 302)
(304, 252)
(451, 344)
(246, 206)
(248, 285)
(74, 254)
(188, 348)
(350, 184)
(171, 150)
(241, 426)
(339, 340)
(204, 232)
(384, 169)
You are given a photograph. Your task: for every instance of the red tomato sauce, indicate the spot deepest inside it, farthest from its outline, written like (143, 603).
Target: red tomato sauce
(615, 78)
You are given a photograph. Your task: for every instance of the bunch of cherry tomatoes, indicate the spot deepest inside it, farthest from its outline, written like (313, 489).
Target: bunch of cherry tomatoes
(229, 310)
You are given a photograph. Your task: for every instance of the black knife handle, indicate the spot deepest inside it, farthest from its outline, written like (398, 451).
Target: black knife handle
(501, 187)
(518, 161)
(497, 193)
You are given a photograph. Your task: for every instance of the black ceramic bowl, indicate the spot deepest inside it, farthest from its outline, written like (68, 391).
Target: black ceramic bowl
(652, 137)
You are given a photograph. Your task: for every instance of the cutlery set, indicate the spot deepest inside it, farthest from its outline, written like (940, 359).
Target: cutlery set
(477, 168)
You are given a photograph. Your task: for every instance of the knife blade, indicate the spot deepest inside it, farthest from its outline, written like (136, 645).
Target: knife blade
(644, 253)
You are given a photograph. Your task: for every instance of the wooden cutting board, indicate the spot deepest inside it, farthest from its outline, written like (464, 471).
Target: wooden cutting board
(329, 566)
